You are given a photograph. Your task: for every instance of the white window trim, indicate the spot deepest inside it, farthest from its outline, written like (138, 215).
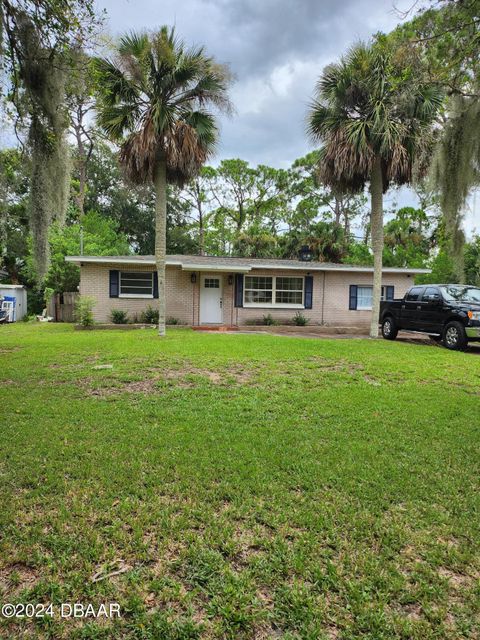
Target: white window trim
(273, 305)
(143, 296)
(364, 286)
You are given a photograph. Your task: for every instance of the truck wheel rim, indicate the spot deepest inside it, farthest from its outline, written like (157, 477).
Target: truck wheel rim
(452, 336)
(387, 327)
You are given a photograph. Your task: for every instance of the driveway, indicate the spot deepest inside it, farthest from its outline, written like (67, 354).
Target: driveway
(403, 336)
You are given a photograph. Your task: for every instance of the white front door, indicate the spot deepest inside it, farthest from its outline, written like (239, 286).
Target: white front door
(211, 299)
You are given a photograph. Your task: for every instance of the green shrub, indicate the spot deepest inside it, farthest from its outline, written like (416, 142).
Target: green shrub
(118, 316)
(300, 320)
(269, 320)
(149, 316)
(84, 311)
(172, 320)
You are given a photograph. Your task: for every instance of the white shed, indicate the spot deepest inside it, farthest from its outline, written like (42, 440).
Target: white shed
(17, 294)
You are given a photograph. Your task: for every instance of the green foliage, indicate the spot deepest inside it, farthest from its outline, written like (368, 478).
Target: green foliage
(300, 320)
(255, 244)
(84, 311)
(171, 320)
(359, 253)
(118, 316)
(14, 185)
(443, 271)
(326, 240)
(407, 241)
(100, 237)
(446, 37)
(472, 262)
(269, 320)
(149, 316)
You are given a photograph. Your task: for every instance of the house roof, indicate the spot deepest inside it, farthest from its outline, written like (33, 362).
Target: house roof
(239, 265)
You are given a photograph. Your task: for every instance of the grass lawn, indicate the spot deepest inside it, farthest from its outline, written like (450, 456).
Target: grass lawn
(239, 486)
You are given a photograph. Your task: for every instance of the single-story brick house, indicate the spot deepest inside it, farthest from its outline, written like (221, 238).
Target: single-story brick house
(202, 290)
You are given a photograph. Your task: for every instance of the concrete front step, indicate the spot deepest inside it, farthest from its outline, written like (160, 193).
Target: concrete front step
(222, 327)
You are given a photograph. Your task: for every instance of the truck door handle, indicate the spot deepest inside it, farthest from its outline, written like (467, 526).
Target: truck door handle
(403, 306)
(419, 306)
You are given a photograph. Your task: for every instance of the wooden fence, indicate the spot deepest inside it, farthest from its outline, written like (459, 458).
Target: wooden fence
(62, 306)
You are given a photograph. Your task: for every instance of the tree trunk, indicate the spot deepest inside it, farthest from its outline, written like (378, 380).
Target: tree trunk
(338, 211)
(376, 217)
(160, 184)
(201, 226)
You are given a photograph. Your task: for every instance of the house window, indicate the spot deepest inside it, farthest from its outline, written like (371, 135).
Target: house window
(136, 284)
(364, 298)
(273, 291)
(258, 290)
(288, 290)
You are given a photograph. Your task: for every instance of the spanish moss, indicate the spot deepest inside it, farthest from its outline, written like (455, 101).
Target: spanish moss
(457, 171)
(43, 78)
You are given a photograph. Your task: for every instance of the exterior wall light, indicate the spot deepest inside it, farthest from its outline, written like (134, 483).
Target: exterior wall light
(305, 253)
(193, 278)
(230, 279)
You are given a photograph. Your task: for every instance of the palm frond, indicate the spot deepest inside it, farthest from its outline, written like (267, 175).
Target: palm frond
(134, 44)
(156, 96)
(114, 85)
(365, 108)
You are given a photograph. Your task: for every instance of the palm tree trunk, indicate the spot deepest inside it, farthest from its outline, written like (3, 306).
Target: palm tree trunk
(160, 184)
(376, 192)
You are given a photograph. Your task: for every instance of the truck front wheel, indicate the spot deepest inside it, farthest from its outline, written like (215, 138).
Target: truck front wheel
(454, 336)
(389, 328)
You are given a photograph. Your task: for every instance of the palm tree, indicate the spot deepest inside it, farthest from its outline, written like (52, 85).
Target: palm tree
(154, 100)
(374, 122)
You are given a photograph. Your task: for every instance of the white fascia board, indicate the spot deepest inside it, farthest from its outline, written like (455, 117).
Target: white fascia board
(215, 267)
(107, 260)
(305, 267)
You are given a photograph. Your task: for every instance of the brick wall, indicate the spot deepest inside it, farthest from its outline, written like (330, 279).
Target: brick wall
(330, 296)
(95, 282)
(337, 293)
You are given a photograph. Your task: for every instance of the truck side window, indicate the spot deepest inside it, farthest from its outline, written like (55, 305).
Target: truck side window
(414, 294)
(431, 291)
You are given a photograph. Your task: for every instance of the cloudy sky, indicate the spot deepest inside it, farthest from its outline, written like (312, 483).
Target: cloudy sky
(276, 50)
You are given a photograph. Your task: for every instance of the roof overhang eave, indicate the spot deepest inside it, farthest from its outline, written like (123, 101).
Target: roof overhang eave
(216, 267)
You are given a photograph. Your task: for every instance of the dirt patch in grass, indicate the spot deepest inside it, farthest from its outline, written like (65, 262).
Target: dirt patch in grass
(158, 380)
(16, 577)
(412, 611)
(455, 579)
(9, 349)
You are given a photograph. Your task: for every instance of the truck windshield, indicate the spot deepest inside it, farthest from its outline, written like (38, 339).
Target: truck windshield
(461, 294)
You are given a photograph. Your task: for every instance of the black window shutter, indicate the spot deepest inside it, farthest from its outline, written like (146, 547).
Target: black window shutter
(114, 283)
(308, 292)
(155, 284)
(390, 293)
(353, 297)
(239, 289)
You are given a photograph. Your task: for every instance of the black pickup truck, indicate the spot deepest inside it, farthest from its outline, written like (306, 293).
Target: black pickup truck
(447, 312)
